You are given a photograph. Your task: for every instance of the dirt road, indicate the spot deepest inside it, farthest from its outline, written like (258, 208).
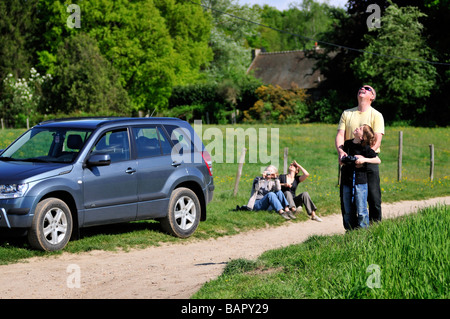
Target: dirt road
(168, 271)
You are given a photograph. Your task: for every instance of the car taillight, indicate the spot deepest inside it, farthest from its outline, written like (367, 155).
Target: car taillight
(208, 161)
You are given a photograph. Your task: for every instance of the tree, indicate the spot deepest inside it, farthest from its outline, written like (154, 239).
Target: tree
(17, 38)
(154, 44)
(302, 22)
(232, 56)
(84, 82)
(308, 18)
(438, 106)
(189, 27)
(402, 84)
(267, 38)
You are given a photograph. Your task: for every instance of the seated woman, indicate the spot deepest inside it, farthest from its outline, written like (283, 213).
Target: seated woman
(267, 195)
(289, 183)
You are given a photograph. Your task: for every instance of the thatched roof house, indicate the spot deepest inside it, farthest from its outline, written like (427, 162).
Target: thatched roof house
(287, 69)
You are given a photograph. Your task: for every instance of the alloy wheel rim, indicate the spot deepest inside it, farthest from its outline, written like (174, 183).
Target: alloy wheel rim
(185, 212)
(55, 226)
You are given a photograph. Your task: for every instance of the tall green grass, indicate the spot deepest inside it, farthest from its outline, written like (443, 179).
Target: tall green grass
(409, 258)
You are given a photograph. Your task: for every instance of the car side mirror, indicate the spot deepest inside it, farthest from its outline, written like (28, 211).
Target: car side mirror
(99, 160)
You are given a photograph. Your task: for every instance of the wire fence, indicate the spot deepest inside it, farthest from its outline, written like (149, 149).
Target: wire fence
(413, 157)
(8, 123)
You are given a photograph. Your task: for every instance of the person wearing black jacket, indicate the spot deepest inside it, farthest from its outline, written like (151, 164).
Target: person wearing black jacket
(354, 177)
(289, 183)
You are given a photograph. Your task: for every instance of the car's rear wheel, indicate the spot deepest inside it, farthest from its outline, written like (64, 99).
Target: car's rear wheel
(52, 225)
(184, 213)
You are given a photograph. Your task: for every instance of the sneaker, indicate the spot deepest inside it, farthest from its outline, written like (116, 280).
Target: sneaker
(316, 218)
(291, 216)
(284, 215)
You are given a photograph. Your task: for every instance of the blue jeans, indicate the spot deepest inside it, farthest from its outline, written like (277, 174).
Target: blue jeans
(272, 200)
(356, 214)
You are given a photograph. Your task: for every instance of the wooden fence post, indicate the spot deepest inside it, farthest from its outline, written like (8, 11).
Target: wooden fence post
(239, 171)
(431, 162)
(3, 125)
(286, 151)
(400, 155)
(233, 117)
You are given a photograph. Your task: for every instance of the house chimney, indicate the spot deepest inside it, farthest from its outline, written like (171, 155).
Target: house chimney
(255, 53)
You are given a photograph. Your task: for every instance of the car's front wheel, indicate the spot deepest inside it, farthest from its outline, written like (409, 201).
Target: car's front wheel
(52, 225)
(184, 212)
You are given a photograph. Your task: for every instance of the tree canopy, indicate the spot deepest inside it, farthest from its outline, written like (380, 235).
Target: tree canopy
(401, 81)
(153, 44)
(90, 83)
(124, 57)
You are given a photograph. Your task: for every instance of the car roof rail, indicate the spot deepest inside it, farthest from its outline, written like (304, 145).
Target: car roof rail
(106, 119)
(65, 119)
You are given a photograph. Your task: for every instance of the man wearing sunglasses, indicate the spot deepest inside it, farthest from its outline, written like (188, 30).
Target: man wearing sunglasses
(364, 113)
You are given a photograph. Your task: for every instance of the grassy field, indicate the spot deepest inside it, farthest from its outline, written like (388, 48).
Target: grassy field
(405, 258)
(312, 145)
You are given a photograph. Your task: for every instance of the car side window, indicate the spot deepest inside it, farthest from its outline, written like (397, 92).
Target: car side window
(151, 141)
(180, 138)
(116, 144)
(165, 143)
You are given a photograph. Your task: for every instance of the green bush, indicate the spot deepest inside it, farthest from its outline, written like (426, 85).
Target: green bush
(217, 101)
(21, 98)
(328, 109)
(193, 94)
(278, 105)
(185, 112)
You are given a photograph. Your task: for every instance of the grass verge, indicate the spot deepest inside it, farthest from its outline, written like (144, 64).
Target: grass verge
(404, 258)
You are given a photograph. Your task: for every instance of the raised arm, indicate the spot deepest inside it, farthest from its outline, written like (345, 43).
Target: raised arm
(305, 173)
(339, 144)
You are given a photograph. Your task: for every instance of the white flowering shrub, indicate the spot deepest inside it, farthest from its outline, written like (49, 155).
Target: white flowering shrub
(21, 98)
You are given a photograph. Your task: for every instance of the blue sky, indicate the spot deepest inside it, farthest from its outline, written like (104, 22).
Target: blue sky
(284, 4)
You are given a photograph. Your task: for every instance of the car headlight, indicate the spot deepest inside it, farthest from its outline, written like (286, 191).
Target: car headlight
(13, 190)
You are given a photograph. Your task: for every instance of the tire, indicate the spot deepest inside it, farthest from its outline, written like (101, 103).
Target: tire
(183, 214)
(51, 227)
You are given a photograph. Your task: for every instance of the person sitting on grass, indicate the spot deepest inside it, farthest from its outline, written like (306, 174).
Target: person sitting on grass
(289, 183)
(267, 195)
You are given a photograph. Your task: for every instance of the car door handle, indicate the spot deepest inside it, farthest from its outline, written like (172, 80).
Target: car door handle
(130, 170)
(175, 164)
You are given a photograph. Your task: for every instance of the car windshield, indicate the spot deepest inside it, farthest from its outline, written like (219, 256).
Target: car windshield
(53, 145)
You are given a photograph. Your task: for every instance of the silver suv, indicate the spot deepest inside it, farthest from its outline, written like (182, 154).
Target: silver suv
(62, 175)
